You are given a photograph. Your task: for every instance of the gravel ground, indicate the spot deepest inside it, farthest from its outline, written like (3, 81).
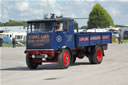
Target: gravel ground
(112, 71)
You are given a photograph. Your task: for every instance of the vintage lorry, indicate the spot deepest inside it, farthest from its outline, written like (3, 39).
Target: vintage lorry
(45, 44)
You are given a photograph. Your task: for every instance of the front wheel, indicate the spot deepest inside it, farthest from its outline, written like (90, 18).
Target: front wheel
(64, 58)
(96, 55)
(30, 63)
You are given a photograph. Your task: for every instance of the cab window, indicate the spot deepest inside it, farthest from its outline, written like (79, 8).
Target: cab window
(66, 26)
(40, 27)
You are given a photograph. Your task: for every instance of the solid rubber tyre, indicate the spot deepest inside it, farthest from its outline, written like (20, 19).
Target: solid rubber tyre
(64, 58)
(96, 55)
(30, 64)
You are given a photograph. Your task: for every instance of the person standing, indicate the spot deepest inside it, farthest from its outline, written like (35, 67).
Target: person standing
(13, 42)
(1, 41)
(119, 38)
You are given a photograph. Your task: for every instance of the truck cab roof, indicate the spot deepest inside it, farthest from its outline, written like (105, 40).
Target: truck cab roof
(53, 20)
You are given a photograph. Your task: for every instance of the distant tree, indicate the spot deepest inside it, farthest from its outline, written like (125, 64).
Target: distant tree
(84, 27)
(16, 23)
(120, 26)
(45, 16)
(99, 17)
(1, 24)
(75, 25)
(61, 16)
(13, 23)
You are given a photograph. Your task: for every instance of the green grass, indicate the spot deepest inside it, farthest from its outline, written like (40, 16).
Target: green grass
(124, 41)
(10, 45)
(7, 45)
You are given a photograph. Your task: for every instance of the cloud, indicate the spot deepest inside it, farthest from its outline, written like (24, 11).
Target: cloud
(35, 9)
(22, 6)
(5, 15)
(52, 3)
(51, 6)
(115, 12)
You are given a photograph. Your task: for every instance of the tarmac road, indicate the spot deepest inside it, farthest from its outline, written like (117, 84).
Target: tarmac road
(112, 71)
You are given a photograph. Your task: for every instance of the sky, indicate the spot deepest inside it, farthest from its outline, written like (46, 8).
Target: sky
(35, 9)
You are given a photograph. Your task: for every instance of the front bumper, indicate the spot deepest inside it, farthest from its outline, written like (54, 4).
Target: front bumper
(50, 52)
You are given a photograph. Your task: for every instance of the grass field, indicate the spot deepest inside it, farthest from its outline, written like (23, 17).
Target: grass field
(6, 45)
(124, 41)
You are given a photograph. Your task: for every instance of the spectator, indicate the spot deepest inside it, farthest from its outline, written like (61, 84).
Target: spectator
(1, 40)
(119, 38)
(13, 42)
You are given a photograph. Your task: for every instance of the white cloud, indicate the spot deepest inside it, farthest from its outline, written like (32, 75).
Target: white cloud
(115, 12)
(101, 0)
(118, 0)
(22, 6)
(51, 6)
(43, 3)
(35, 9)
(83, 0)
(74, 16)
(91, 0)
(52, 3)
(88, 0)
(0, 9)
(5, 14)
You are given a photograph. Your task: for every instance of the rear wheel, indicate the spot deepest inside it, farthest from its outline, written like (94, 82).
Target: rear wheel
(30, 63)
(64, 58)
(96, 55)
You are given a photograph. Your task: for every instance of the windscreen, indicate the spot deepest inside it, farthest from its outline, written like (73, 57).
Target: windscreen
(40, 27)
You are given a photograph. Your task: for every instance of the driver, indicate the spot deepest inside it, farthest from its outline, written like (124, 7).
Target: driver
(58, 27)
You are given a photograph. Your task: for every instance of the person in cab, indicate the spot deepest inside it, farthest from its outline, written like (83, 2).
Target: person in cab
(59, 27)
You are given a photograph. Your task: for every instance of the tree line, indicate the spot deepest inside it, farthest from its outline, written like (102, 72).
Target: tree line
(13, 23)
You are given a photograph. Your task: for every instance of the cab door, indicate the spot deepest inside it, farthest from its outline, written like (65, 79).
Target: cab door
(69, 34)
(66, 36)
(59, 37)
